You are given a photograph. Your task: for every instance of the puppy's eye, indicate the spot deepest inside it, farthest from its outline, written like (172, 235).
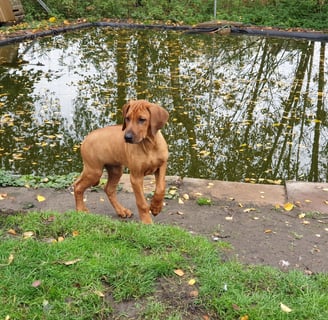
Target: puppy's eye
(127, 119)
(142, 120)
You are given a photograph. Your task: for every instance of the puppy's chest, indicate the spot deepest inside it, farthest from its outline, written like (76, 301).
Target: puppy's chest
(147, 163)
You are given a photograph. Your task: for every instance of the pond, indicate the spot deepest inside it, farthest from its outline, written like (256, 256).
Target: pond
(241, 108)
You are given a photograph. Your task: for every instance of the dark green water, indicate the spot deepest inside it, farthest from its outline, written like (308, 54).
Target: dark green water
(241, 108)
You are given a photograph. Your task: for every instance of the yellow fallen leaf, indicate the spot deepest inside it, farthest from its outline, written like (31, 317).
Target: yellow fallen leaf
(180, 201)
(301, 215)
(12, 232)
(40, 198)
(10, 259)
(186, 196)
(245, 317)
(288, 206)
(284, 308)
(172, 192)
(179, 272)
(249, 209)
(75, 233)
(3, 196)
(28, 234)
(70, 262)
(194, 293)
(52, 19)
(191, 282)
(60, 239)
(268, 231)
(99, 293)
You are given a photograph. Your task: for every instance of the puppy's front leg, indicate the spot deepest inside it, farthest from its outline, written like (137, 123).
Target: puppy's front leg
(137, 183)
(156, 204)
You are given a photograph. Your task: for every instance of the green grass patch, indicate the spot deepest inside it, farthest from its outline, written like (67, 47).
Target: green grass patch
(8, 179)
(82, 266)
(204, 201)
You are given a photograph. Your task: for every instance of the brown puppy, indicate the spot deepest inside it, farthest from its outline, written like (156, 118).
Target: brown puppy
(137, 145)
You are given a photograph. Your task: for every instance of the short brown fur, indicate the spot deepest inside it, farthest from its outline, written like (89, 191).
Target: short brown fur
(138, 145)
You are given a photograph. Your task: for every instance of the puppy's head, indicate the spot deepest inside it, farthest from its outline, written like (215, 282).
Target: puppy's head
(141, 119)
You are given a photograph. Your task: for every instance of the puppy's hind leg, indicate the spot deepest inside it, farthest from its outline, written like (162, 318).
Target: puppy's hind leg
(87, 179)
(114, 176)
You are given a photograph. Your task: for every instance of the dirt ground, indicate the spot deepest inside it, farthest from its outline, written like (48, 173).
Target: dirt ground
(258, 232)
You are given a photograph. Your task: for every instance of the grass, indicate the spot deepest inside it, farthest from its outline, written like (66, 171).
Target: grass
(292, 13)
(32, 181)
(79, 266)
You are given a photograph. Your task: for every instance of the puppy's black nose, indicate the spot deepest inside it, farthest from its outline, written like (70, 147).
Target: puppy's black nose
(128, 137)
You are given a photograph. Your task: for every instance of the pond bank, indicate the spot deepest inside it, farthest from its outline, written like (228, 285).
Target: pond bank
(244, 215)
(220, 27)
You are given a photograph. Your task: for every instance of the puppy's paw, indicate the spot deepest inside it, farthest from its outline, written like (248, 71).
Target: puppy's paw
(156, 207)
(125, 213)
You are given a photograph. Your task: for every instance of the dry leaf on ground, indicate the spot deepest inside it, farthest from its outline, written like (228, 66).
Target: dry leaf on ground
(70, 262)
(179, 272)
(284, 308)
(40, 198)
(36, 283)
(288, 206)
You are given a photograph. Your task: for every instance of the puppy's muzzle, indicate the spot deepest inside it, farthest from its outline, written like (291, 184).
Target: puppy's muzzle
(129, 137)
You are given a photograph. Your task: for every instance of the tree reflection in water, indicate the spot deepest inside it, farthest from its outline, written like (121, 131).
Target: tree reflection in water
(241, 108)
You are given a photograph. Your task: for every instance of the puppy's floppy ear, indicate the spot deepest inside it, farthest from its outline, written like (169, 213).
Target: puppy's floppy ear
(158, 117)
(125, 110)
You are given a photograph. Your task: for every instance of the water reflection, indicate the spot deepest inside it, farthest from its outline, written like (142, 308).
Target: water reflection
(241, 108)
